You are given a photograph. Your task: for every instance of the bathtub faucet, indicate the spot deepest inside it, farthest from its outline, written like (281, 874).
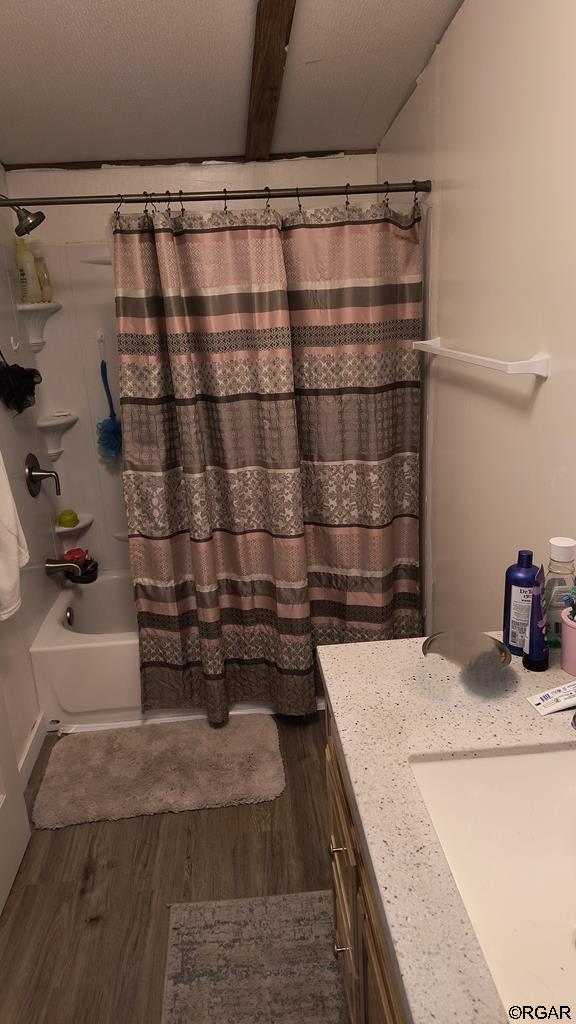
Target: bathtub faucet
(54, 565)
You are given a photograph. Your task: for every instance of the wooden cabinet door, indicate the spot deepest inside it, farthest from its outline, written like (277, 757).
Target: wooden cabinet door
(342, 844)
(345, 952)
(375, 1005)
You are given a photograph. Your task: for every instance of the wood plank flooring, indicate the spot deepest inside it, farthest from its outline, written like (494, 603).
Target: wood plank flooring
(83, 934)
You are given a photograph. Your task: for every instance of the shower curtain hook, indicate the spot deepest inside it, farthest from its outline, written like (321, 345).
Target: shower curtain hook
(298, 198)
(168, 200)
(117, 210)
(347, 203)
(416, 204)
(225, 200)
(146, 211)
(267, 189)
(182, 210)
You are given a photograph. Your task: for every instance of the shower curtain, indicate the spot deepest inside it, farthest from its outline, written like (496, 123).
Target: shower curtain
(270, 407)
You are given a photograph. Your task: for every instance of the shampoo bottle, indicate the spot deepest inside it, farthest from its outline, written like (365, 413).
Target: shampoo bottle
(29, 285)
(517, 601)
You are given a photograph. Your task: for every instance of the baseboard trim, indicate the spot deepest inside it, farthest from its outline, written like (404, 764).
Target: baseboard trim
(32, 749)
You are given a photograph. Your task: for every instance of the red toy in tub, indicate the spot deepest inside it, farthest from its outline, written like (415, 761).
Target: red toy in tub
(89, 567)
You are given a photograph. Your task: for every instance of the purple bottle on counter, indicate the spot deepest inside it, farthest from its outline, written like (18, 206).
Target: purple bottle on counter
(517, 601)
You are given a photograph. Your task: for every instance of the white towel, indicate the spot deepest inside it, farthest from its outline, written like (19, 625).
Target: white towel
(13, 548)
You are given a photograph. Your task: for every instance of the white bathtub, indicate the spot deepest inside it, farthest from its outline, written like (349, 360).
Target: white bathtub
(88, 674)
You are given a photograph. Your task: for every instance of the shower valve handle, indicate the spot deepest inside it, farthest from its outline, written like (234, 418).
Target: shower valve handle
(34, 475)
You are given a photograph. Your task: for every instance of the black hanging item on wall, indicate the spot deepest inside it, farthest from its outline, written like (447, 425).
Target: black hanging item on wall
(17, 384)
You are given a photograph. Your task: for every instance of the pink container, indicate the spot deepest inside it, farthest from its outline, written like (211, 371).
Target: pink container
(568, 656)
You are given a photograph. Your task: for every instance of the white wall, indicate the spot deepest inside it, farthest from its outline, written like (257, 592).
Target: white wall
(490, 122)
(18, 436)
(69, 361)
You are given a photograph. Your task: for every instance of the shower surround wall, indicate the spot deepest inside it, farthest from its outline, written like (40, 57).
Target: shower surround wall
(70, 366)
(68, 224)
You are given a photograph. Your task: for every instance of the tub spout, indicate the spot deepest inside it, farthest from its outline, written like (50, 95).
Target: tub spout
(53, 565)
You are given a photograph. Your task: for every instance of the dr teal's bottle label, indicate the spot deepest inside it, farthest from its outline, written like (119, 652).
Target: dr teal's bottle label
(521, 599)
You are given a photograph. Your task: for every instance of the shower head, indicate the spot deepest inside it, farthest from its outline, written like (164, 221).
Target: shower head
(27, 221)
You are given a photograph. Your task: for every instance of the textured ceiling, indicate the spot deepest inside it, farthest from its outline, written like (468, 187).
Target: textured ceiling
(351, 66)
(88, 80)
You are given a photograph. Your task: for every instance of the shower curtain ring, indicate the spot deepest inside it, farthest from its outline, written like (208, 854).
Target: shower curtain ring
(168, 199)
(267, 189)
(298, 198)
(225, 200)
(346, 193)
(182, 210)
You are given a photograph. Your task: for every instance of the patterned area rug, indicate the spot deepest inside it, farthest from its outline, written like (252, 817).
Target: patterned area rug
(151, 769)
(256, 961)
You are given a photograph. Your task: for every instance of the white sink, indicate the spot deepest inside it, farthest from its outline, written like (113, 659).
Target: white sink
(507, 825)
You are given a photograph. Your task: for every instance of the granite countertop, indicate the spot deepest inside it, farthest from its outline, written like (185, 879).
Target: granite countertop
(390, 704)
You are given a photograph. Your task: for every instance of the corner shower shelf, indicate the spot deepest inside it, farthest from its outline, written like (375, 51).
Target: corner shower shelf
(83, 523)
(35, 316)
(538, 365)
(53, 426)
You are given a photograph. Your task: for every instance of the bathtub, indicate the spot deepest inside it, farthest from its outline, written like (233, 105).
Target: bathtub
(88, 672)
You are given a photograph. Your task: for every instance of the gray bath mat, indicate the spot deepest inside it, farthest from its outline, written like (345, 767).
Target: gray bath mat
(180, 766)
(257, 961)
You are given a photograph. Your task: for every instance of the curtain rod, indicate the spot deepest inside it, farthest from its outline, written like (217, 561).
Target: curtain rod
(223, 194)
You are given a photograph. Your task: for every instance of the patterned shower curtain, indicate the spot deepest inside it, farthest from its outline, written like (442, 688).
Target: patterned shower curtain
(355, 293)
(270, 407)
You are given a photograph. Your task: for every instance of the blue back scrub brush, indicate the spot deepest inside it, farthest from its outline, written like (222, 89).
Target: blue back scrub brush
(109, 431)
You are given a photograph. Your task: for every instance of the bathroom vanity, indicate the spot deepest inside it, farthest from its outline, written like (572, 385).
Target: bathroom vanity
(451, 804)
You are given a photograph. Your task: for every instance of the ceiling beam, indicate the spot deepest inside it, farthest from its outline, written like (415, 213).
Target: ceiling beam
(273, 26)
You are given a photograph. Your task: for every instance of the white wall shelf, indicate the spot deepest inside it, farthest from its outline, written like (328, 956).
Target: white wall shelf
(83, 523)
(538, 365)
(35, 315)
(53, 426)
